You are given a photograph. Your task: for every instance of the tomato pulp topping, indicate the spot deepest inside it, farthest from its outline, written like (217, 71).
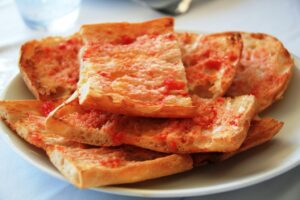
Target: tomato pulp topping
(161, 137)
(117, 138)
(47, 107)
(125, 40)
(213, 64)
(36, 138)
(207, 117)
(110, 162)
(172, 84)
(173, 145)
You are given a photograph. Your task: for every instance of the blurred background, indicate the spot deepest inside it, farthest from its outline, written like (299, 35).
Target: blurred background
(277, 17)
(21, 20)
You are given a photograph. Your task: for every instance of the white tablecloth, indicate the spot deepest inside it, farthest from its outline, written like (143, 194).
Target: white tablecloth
(20, 180)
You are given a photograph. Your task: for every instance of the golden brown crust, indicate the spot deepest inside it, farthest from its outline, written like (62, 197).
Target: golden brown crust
(126, 170)
(25, 70)
(260, 132)
(266, 68)
(109, 32)
(128, 107)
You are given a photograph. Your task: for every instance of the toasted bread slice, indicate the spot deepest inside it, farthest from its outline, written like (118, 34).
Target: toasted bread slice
(107, 166)
(266, 68)
(210, 61)
(27, 119)
(50, 67)
(260, 132)
(80, 124)
(83, 166)
(124, 32)
(220, 125)
(133, 69)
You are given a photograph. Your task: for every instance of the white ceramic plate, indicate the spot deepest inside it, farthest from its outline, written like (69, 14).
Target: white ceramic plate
(256, 165)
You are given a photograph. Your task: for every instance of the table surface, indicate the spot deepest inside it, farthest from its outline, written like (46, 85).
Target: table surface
(277, 17)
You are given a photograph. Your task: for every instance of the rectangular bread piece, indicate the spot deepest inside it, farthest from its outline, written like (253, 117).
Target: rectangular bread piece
(109, 166)
(133, 69)
(220, 125)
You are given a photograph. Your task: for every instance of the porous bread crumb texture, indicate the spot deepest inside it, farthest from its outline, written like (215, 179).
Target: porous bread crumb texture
(52, 65)
(265, 70)
(87, 118)
(210, 60)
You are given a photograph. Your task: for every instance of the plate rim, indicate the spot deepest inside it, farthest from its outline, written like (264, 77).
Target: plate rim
(153, 193)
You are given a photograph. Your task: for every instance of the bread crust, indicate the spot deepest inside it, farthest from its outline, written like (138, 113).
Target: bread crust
(260, 132)
(265, 71)
(26, 70)
(133, 171)
(109, 32)
(132, 108)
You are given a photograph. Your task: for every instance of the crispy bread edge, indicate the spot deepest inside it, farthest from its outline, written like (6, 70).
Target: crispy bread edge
(26, 71)
(133, 172)
(257, 135)
(105, 103)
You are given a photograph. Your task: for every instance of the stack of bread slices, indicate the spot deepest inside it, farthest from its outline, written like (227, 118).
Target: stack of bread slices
(126, 102)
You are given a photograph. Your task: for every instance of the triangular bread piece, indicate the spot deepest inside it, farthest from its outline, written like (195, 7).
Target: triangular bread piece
(27, 118)
(210, 61)
(220, 125)
(133, 69)
(85, 166)
(50, 66)
(260, 132)
(266, 68)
